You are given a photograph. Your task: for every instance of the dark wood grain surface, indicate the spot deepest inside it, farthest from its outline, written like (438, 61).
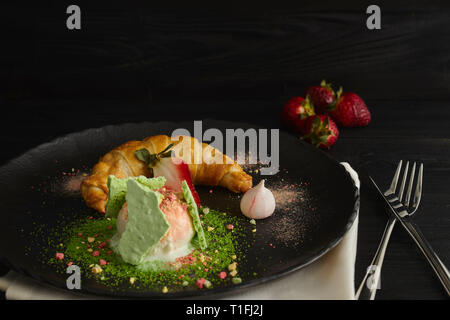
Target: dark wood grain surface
(149, 62)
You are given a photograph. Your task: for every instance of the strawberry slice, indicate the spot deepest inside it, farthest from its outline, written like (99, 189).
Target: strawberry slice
(175, 171)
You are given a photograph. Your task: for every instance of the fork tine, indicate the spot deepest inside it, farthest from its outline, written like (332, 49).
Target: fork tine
(418, 192)
(410, 185)
(391, 190)
(402, 186)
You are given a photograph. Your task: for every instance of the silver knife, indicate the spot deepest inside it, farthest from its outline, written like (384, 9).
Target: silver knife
(439, 268)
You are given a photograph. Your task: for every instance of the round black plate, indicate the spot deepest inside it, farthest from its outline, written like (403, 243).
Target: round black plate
(317, 203)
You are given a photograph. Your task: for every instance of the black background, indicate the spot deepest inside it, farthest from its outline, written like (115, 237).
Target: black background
(241, 60)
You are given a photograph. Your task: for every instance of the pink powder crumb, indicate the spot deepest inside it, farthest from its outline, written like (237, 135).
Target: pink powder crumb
(73, 184)
(101, 245)
(200, 283)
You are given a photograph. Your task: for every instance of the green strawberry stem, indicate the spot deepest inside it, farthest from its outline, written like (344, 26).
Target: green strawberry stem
(152, 159)
(309, 108)
(337, 96)
(319, 133)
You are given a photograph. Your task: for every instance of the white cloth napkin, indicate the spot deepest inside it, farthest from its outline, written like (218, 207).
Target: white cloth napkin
(329, 278)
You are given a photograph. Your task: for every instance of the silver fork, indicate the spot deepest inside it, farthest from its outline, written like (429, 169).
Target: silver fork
(405, 208)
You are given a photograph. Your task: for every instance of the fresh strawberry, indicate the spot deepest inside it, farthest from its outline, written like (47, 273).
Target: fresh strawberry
(175, 171)
(321, 96)
(350, 111)
(294, 113)
(320, 130)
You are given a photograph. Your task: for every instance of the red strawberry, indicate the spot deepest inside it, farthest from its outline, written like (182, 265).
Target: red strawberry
(175, 171)
(321, 96)
(320, 130)
(295, 111)
(350, 111)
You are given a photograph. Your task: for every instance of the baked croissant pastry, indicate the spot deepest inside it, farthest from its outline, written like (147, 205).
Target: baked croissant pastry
(207, 165)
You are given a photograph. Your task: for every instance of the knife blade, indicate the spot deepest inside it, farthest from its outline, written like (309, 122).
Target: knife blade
(438, 266)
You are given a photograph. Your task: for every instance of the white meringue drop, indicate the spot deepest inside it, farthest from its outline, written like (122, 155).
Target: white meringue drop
(258, 202)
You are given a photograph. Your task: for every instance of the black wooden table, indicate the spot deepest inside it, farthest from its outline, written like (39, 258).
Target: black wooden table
(241, 63)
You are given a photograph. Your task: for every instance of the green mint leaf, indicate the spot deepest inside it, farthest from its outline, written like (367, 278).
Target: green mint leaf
(143, 155)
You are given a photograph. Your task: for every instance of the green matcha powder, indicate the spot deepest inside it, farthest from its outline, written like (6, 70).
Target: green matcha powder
(87, 245)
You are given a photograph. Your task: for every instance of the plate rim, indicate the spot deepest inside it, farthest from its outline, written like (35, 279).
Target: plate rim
(210, 293)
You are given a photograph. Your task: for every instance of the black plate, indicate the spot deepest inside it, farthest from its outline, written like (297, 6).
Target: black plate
(314, 212)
